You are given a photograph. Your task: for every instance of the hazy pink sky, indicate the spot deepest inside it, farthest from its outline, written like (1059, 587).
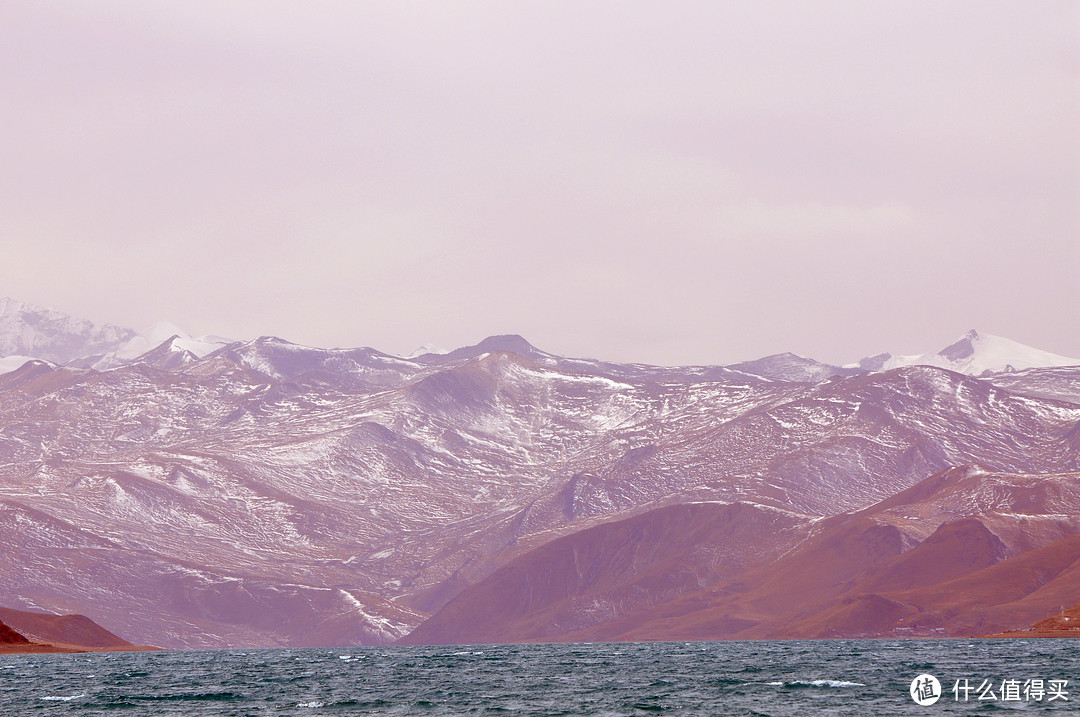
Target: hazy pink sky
(667, 182)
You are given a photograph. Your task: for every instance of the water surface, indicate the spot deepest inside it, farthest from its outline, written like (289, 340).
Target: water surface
(857, 677)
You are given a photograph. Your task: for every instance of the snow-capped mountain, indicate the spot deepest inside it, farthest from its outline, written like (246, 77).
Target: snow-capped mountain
(35, 332)
(975, 354)
(32, 332)
(267, 493)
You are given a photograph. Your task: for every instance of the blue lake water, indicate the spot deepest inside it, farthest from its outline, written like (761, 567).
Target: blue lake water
(866, 677)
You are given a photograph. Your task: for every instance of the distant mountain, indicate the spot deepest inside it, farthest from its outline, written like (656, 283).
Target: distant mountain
(510, 343)
(282, 360)
(32, 332)
(35, 332)
(975, 354)
(790, 367)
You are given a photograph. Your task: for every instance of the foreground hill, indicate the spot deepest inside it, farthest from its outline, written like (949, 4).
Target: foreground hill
(924, 562)
(35, 631)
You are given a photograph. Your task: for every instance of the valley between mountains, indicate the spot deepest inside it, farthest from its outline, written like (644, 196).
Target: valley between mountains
(192, 493)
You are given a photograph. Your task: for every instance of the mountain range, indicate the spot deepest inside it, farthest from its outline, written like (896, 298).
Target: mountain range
(210, 493)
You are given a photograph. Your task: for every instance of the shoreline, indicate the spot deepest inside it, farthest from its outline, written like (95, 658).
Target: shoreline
(35, 647)
(1066, 633)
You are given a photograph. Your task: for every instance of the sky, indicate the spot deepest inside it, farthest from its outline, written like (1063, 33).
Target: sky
(665, 182)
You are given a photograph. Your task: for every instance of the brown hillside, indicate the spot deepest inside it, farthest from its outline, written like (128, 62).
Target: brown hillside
(923, 562)
(1066, 620)
(590, 577)
(1010, 595)
(76, 630)
(1006, 595)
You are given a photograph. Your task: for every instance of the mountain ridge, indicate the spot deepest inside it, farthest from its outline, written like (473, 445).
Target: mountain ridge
(69, 339)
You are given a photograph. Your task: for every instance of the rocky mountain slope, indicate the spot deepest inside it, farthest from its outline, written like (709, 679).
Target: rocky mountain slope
(267, 493)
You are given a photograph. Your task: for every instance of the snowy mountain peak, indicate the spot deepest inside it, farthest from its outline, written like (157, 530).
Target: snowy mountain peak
(962, 349)
(34, 331)
(975, 354)
(424, 350)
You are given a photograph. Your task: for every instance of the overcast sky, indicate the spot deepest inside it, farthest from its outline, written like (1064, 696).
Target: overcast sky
(666, 182)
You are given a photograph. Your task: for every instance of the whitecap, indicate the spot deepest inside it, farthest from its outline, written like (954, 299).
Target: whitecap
(816, 683)
(312, 704)
(835, 683)
(58, 698)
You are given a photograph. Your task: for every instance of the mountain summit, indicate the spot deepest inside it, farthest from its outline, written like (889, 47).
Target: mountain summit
(511, 343)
